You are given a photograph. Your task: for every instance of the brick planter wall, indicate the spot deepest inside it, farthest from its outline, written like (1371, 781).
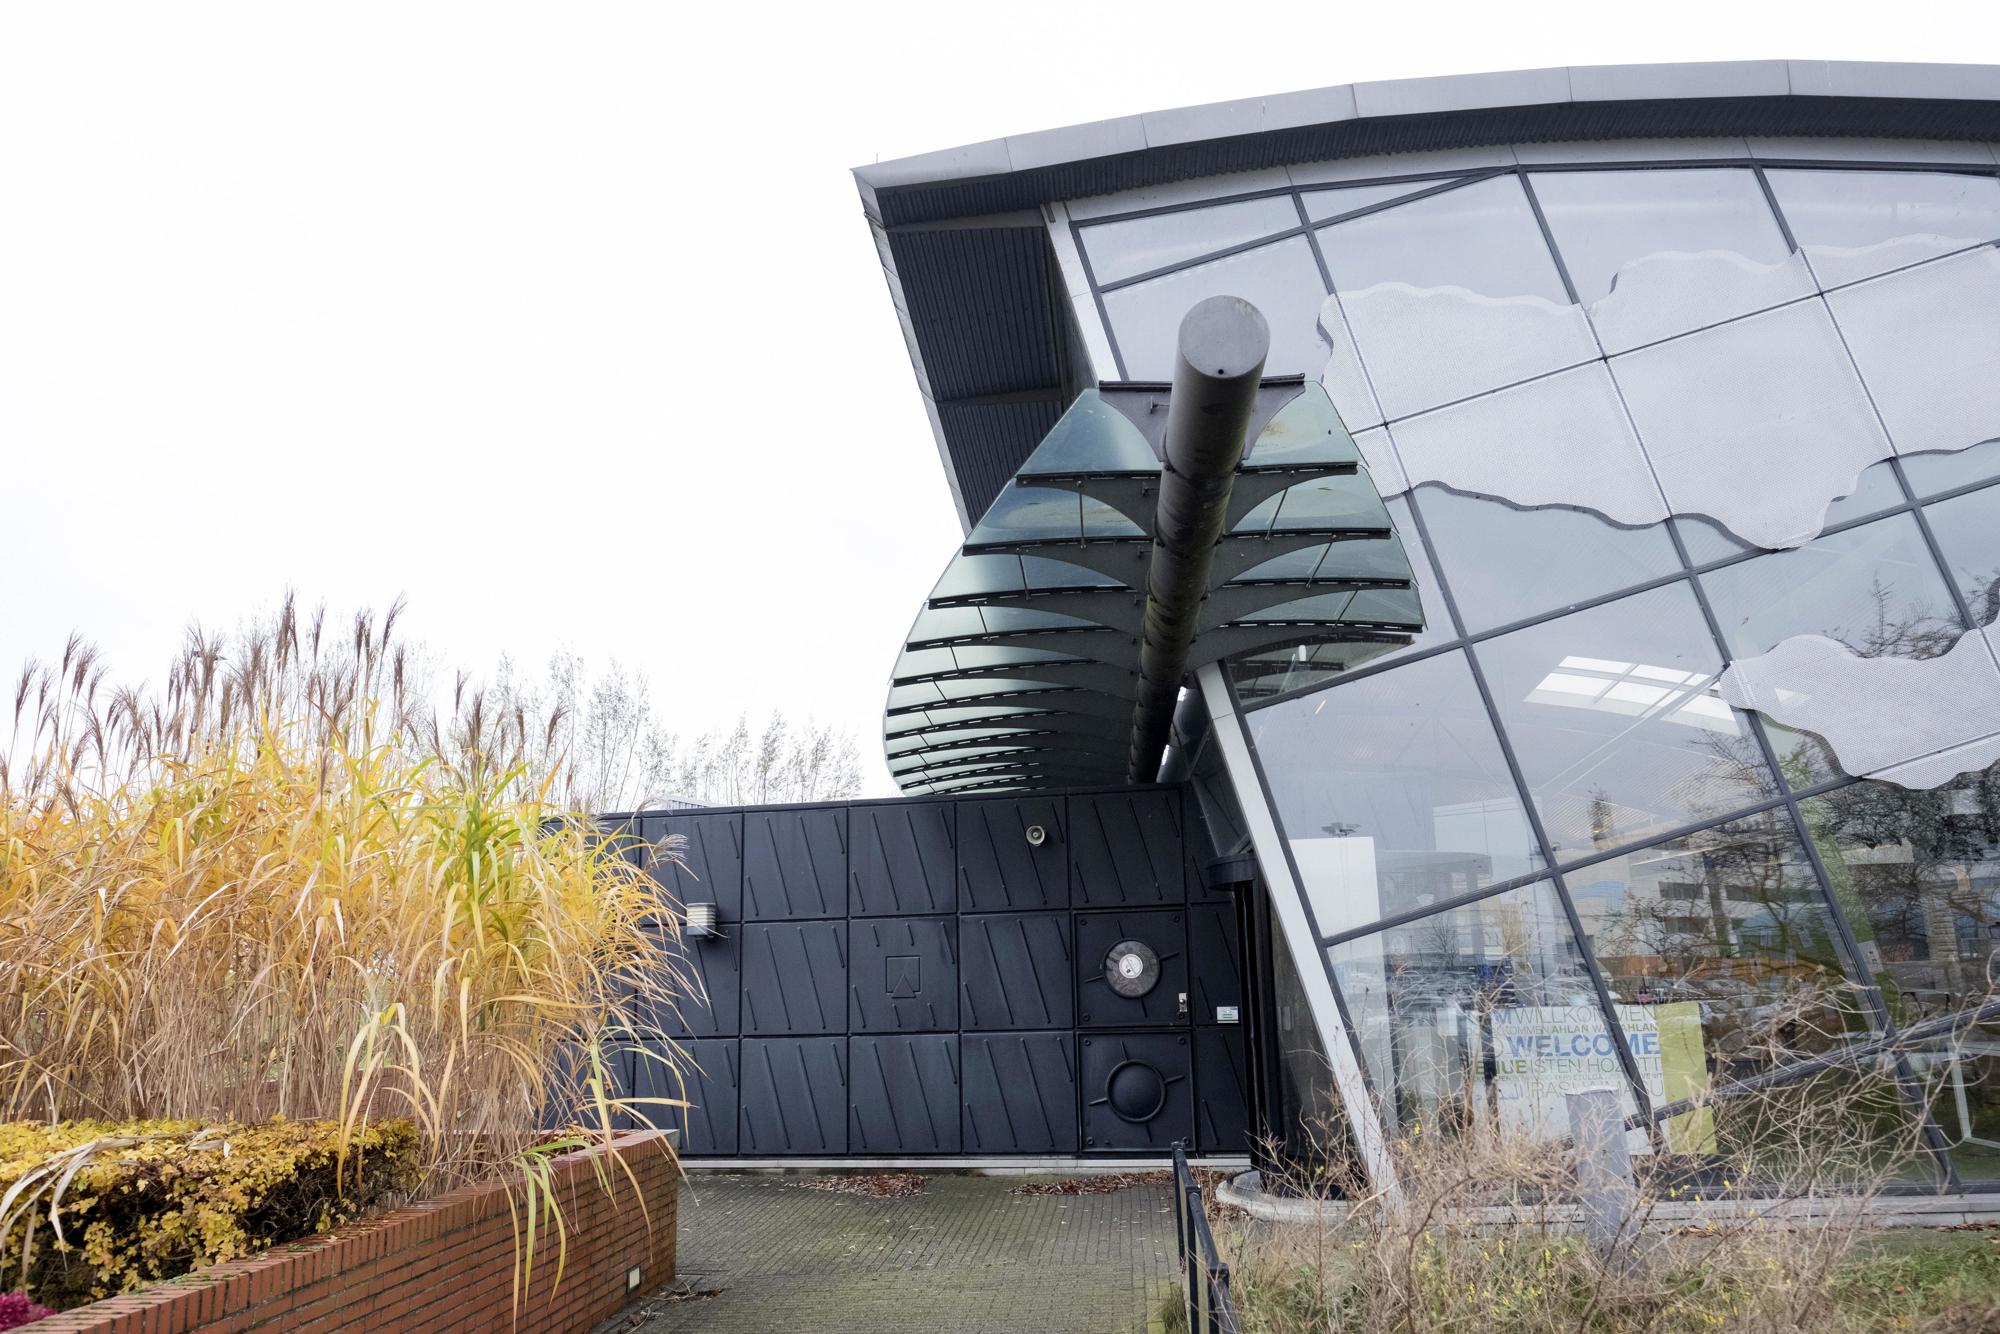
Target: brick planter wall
(445, 1264)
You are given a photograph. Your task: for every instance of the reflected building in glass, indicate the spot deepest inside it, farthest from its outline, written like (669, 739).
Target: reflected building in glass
(1676, 396)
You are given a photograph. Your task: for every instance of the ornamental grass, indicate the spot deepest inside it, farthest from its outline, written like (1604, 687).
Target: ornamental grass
(285, 883)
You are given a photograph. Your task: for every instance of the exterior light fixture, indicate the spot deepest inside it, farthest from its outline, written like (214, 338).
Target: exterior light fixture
(701, 921)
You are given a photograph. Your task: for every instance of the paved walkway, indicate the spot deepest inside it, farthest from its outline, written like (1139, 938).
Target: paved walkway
(763, 1253)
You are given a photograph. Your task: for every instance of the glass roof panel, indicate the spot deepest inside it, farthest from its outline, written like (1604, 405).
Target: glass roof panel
(1323, 502)
(1029, 514)
(1092, 437)
(1324, 204)
(1132, 246)
(1306, 432)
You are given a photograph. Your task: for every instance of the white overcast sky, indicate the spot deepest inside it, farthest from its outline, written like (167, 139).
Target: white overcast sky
(562, 321)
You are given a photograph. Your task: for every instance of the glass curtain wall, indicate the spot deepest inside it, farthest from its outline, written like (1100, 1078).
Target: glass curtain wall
(1545, 853)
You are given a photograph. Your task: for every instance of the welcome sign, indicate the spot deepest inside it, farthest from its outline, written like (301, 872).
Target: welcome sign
(1542, 1052)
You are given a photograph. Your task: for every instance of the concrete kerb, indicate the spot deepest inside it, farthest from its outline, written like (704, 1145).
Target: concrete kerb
(1246, 1191)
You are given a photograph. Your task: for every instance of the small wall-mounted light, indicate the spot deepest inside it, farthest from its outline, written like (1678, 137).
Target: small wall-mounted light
(1036, 836)
(701, 921)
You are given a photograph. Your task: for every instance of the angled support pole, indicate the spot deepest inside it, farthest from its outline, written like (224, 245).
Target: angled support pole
(1218, 363)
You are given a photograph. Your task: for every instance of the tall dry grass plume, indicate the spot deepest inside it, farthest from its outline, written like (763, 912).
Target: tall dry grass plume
(284, 883)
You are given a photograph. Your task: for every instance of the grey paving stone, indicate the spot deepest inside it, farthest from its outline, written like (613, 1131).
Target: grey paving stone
(965, 1256)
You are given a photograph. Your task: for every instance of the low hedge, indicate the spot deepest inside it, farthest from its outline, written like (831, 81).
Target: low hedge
(147, 1200)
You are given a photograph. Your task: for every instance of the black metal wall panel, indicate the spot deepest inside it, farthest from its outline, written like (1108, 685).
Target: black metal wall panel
(1221, 1076)
(1126, 849)
(794, 1096)
(903, 1094)
(1216, 957)
(903, 976)
(794, 977)
(795, 863)
(1020, 1092)
(902, 859)
(706, 1073)
(715, 965)
(707, 868)
(1014, 971)
(1137, 1091)
(999, 870)
(1098, 1004)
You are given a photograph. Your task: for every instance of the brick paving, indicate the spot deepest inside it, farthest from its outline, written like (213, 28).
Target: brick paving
(762, 1253)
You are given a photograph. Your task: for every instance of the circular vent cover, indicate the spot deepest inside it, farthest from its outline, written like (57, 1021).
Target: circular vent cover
(1136, 1091)
(1131, 968)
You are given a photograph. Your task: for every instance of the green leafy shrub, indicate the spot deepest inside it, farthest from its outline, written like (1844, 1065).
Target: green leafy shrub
(91, 1208)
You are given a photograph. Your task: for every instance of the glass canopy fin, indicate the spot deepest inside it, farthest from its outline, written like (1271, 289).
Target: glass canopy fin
(1020, 672)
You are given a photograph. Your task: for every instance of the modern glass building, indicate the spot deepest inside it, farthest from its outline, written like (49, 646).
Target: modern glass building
(1596, 676)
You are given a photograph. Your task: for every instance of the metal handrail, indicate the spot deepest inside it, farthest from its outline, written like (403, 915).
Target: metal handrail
(1204, 1276)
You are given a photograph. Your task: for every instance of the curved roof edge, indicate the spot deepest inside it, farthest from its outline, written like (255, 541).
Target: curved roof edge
(1862, 99)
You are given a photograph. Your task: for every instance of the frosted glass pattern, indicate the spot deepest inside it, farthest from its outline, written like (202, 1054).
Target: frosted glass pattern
(1927, 341)
(1856, 224)
(1427, 347)
(1758, 424)
(1562, 439)
(1660, 296)
(1378, 452)
(1904, 720)
(1346, 382)
(1125, 249)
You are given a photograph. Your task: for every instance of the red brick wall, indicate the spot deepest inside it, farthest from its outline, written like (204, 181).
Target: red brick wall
(446, 1264)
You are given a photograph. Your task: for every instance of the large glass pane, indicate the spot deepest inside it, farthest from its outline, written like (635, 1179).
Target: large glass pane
(1507, 564)
(1133, 246)
(1967, 529)
(1724, 957)
(1850, 221)
(1874, 588)
(1313, 1131)
(1482, 237)
(1481, 1016)
(1606, 220)
(1614, 717)
(1930, 474)
(1324, 204)
(1917, 874)
(1281, 280)
(1393, 792)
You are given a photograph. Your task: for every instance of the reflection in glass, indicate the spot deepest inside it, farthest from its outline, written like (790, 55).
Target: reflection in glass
(1324, 204)
(1874, 588)
(1967, 529)
(1482, 237)
(1917, 874)
(1874, 491)
(1855, 211)
(1281, 280)
(1393, 792)
(1614, 718)
(1605, 220)
(1127, 248)
(1507, 564)
(1481, 1016)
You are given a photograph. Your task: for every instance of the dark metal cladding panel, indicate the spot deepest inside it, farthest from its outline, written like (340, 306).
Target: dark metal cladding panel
(999, 870)
(1126, 849)
(904, 974)
(1015, 971)
(1020, 1093)
(707, 1074)
(794, 1096)
(903, 1094)
(902, 859)
(709, 863)
(716, 966)
(1201, 838)
(1221, 1074)
(1137, 1092)
(795, 977)
(1217, 960)
(795, 864)
(1098, 1005)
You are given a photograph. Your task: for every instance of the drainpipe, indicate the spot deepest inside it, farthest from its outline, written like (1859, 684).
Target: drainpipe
(1218, 362)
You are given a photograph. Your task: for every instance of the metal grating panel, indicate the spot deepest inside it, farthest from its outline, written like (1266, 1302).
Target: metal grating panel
(1015, 972)
(999, 868)
(1020, 1093)
(902, 859)
(794, 1096)
(795, 977)
(795, 863)
(904, 975)
(903, 1095)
